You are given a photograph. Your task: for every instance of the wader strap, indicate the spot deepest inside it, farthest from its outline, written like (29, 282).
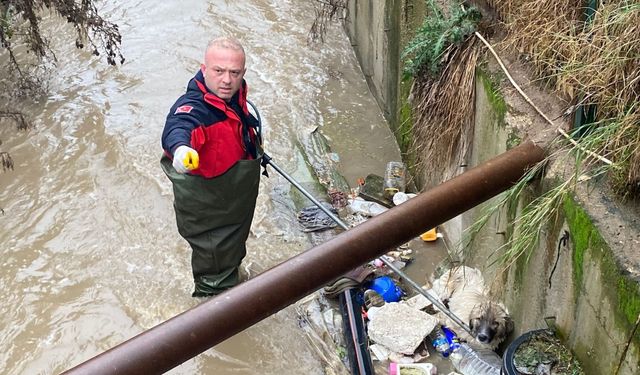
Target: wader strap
(247, 124)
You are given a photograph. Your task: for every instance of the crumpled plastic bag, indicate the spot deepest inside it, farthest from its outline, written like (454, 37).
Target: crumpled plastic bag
(322, 326)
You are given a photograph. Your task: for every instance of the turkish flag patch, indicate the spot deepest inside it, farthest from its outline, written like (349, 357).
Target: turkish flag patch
(183, 109)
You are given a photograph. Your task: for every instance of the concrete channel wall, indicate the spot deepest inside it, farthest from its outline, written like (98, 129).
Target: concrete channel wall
(586, 286)
(374, 33)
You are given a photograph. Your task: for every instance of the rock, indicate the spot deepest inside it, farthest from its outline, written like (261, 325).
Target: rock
(400, 328)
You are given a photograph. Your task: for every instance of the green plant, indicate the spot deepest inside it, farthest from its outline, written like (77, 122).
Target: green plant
(438, 32)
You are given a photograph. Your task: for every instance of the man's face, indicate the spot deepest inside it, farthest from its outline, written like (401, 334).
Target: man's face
(223, 70)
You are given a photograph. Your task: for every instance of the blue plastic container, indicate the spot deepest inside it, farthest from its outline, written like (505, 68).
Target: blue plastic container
(452, 338)
(385, 287)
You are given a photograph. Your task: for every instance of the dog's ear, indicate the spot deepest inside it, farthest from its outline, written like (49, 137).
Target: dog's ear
(508, 324)
(473, 326)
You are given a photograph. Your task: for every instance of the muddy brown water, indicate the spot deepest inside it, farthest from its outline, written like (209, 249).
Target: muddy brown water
(90, 251)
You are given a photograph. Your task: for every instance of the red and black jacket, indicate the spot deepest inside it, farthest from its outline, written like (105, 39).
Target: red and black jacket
(221, 132)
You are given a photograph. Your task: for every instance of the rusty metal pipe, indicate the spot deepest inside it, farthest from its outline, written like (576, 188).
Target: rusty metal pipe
(173, 342)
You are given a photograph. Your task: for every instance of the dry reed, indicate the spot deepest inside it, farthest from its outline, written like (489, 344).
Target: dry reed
(443, 110)
(593, 59)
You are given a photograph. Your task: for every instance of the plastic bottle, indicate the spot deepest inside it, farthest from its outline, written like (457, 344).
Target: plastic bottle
(440, 342)
(412, 368)
(452, 339)
(366, 208)
(394, 178)
(471, 361)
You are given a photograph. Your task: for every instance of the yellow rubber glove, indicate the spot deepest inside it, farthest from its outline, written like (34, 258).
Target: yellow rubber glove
(185, 159)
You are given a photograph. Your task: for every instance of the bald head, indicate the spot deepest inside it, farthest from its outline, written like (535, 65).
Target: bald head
(224, 42)
(223, 67)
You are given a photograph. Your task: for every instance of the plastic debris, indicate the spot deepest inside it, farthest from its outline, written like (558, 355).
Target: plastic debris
(401, 197)
(361, 206)
(394, 178)
(430, 235)
(412, 369)
(386, 288)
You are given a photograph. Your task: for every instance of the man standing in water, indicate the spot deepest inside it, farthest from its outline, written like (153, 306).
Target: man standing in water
(212, 153)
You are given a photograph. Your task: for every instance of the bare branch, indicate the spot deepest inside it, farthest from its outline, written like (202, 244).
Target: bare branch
(326, 11)
(6, 161)
(22, 18)
(18, 118)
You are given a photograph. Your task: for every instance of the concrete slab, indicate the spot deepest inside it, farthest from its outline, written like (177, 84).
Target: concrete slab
(400, 328)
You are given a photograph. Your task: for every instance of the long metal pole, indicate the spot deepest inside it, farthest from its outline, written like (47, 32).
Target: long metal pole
(173, 342)
(362, 364)
(388, 263)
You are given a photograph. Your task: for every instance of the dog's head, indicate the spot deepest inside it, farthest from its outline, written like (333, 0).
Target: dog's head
(490, 323)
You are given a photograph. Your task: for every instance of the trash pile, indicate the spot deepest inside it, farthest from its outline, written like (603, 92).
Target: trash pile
(405, 332)
(401, 331)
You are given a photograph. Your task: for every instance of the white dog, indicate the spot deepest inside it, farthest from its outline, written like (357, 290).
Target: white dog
(463, 290)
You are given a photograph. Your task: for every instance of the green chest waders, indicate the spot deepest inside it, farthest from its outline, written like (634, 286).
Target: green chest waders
(214, 215)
